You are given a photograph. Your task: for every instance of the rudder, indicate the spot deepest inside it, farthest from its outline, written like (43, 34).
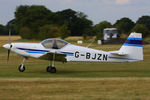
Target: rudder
(133, 47)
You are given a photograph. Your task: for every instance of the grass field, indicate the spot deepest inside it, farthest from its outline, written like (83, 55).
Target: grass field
(75, 89)
(74, 81)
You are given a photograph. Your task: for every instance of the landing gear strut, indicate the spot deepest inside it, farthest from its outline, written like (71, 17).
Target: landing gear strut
(22, 68)
(51, 68)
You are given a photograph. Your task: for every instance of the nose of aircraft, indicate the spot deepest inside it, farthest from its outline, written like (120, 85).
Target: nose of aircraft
(7, 46)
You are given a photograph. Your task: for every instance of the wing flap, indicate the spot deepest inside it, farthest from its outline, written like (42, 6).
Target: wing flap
(58, 57)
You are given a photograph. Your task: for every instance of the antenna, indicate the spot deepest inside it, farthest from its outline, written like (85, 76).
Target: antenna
(90, 43)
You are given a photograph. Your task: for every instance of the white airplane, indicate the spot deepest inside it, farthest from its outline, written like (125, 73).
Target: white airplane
(59, 50)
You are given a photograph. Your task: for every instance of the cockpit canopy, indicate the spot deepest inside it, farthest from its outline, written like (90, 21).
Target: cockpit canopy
(54, 43)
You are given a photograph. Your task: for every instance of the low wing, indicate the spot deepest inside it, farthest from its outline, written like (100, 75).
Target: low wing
(58, 57)
(118, 53)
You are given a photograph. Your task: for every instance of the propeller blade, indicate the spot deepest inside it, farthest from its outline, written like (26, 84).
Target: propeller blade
(8, 55)
(9, 42)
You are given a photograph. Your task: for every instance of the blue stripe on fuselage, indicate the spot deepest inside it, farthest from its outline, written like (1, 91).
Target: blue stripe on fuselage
(122, 58)
(42, 51)
(68, 53)
(33, 50)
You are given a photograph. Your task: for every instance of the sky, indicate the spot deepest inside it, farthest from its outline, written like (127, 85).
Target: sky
(96, 10)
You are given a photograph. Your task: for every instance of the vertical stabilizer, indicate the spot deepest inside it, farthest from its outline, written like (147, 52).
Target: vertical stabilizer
(133, 47)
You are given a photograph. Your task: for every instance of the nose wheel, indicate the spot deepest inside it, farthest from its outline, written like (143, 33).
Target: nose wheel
(21, 68)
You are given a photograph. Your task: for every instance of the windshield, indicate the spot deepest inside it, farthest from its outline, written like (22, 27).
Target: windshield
(54, 43)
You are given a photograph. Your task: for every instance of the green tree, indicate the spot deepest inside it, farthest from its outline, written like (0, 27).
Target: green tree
(98, 28)
(124, 25)
(3, 30)
(99, 36)
(140, 28)
(33, 17)
(76, 22)
(20, 17)
(64, 32)
(10, 25)
(48, 31)
(101, 26)
(145, 20)
(26, 33)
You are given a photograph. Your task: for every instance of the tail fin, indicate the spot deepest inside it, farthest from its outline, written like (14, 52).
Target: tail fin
(133, 47)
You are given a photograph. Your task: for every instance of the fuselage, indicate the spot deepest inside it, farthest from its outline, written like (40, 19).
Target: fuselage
(59, 50)
(73, 52)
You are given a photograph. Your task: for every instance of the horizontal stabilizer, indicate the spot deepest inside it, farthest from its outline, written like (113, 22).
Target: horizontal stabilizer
(118, 53)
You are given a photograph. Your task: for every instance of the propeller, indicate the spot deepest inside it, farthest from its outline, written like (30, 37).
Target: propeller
(9, 42)
(9, 52)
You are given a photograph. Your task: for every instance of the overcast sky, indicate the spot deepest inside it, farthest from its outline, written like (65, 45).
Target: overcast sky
(97, 10)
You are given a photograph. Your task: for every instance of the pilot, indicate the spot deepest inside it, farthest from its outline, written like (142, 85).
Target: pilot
(54, 44)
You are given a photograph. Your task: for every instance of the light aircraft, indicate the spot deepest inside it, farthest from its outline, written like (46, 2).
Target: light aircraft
(59, 50)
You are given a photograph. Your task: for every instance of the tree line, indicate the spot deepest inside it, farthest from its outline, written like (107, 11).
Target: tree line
(126, 26)
(38, 22)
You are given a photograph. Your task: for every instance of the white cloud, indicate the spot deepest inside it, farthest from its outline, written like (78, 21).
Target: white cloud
(122, 2)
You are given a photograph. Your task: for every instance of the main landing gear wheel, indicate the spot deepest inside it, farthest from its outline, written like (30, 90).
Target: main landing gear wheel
(21, 68)
(51, 69)
(48, 69)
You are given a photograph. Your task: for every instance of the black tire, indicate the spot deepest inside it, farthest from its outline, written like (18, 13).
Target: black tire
(53, 70)
(21, 69)
(48, 69)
